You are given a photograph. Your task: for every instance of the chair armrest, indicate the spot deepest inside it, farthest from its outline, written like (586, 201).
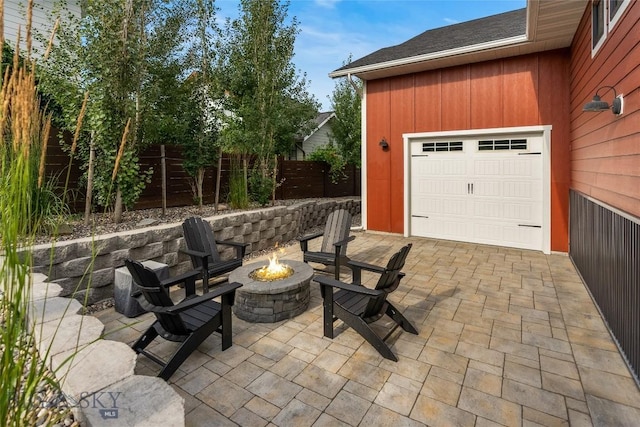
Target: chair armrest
(326, 281)
(240, 247)
(180, 278)
(188, 278)
(358, 266)
(221, 290)
(344, 241)
(304, 240)
(191, 252)
(364, 266)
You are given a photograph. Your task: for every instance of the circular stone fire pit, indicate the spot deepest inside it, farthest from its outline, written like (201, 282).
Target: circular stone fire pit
(268, 302)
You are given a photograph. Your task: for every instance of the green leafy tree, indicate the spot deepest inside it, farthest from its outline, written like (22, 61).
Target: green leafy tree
(346, 130)
(124, 54)
(268, 98)
(201, 142)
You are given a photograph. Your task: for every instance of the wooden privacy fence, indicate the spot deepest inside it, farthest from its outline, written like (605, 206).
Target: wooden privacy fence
(299, 179)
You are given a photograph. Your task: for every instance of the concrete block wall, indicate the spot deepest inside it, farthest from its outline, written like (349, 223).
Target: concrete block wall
(85, 268)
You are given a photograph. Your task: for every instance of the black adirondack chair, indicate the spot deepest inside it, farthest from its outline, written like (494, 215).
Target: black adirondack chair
(189, 322)
(358, 306)
(335, 237)
(202, 248)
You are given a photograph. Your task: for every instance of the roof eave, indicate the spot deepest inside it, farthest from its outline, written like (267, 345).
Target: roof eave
(550, 24)
(414, 60)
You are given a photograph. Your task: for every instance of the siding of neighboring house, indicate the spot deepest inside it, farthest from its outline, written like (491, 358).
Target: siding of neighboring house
(521, 91)
(42, 20)
(319, 138)
(605, 149)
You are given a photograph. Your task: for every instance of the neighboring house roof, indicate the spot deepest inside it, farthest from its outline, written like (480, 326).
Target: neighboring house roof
(320, 120)
(543, 25)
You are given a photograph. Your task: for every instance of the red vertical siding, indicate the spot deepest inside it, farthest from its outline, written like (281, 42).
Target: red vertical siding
(521, 92)
(378, 161)
(605, 154)
(456, 98)
(428, 98)
(524, 91)
(487, 95)
(402, 104)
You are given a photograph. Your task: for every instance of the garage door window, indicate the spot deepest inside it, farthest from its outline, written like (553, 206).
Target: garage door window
(502, 144)
(441, 146)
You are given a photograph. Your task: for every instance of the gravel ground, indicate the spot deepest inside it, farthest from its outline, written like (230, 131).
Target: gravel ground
(102, 223)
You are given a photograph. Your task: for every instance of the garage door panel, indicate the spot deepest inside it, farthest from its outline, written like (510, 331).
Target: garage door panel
(427, 206)
(506, 235)
(522, 190)
(487, 210)
(521, 212)
(523, 167)
(455, 207)
(488, 167)
(441, 227)
(455, 167)
(426, 186)
(487, 189)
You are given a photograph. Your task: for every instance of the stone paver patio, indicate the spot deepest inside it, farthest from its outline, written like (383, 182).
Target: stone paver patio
(507, 337)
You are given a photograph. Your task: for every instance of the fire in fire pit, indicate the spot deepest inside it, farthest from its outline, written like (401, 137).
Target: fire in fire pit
(273, 271)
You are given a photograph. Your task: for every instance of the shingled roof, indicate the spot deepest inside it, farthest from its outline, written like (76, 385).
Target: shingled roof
(470, 33)
(483, 30)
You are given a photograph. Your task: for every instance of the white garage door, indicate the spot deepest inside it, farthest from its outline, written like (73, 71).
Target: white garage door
(481, 190)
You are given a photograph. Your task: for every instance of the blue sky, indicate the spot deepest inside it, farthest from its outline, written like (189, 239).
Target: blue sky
(330, 30)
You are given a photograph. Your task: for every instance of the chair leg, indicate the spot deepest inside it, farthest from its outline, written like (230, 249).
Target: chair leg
(187, 347)
(225, 321)
(365, 331)
(146, 339)
(402, 321)
(327, 304)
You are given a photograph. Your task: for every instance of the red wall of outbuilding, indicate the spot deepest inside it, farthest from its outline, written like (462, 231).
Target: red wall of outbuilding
(521, 91)
(605, 149)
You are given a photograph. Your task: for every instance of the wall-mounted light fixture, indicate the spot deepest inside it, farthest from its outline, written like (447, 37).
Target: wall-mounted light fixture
(597, 105)
(384, 144)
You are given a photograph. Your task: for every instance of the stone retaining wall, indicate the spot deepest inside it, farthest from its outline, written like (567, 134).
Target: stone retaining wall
(85, 267)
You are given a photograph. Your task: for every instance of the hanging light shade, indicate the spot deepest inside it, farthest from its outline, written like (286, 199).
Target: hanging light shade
(597, 104)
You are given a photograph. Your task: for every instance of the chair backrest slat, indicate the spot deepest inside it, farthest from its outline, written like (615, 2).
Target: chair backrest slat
(199, 237)
(155, 295)
(388, 282)
(337, 228)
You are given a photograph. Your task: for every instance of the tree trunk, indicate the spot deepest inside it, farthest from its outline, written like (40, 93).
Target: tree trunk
(117, 210)
(275, 179)
(245, 169)
(218, 175)
(199, 184)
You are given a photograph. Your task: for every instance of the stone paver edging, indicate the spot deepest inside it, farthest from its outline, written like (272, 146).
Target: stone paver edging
(96, 375)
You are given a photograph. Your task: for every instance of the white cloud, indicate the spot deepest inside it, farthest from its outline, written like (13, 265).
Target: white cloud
(451, 21)
(329, 4)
